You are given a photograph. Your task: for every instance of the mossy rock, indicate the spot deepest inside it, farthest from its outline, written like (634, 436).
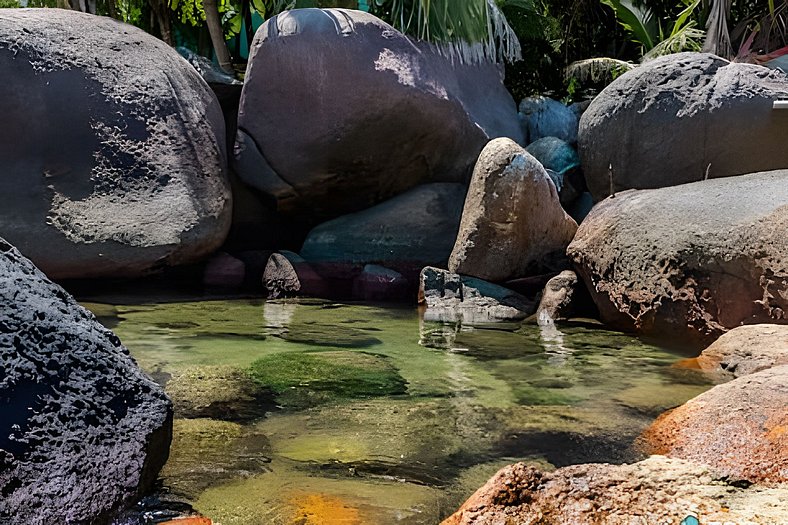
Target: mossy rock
(205, 453)
(218, 392)
(302, 379)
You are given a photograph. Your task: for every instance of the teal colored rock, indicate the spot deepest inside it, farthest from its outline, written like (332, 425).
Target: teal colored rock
(555, 154)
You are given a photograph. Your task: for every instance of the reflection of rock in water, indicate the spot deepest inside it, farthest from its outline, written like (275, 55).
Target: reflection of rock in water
(437, 334)
(553, 340)
(278, 315)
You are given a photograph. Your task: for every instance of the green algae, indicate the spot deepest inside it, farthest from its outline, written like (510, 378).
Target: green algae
(307, 378)
(387, 418)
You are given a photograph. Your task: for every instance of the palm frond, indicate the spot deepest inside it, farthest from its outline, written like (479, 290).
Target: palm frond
(596, 69)
(688, 38)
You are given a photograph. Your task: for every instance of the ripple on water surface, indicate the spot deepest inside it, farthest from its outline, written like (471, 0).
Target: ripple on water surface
(319, 413)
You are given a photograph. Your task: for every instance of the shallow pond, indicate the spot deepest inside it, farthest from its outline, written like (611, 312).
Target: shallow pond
(323, 413)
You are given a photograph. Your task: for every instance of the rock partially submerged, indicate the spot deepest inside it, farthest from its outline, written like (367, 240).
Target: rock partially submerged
(381, 115)
(512, 223)
(454, 298)
(689, 262)
(739, 429)
(112, 151)
(746, 350)
(556, 303)
(656, 490)
(683, 118)
(83, 431)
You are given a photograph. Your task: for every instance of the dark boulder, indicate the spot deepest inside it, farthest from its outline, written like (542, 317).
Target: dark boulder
(406, 233)
(112, 148)
(544, 117)
(692, 261)
(83, 431)
(340, 111)
(683, 118)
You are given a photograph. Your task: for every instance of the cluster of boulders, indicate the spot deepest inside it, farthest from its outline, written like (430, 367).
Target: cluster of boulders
(393, 173)
(722, 456)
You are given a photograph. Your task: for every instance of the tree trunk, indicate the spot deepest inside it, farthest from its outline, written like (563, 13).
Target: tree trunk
(718, 40)
(217, 35)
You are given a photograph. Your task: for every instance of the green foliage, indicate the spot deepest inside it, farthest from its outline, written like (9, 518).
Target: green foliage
(8, 4)
(647, 29)
(470, 30)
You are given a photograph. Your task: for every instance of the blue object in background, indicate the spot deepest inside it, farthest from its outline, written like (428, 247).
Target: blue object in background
(363, 5)
(690, 520)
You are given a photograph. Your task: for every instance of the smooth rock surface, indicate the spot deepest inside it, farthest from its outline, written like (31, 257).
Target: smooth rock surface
(682, 118)
(692, 261)
(512, 223)
(454, 298)
(112, 149)
(406, 233)
(83, 431)
(378, 115)
(739, 429)
(656, 490)
(746, 350)
(544, 117)
(562, 163)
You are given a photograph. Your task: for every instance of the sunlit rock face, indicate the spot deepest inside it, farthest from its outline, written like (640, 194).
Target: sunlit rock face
(689, 262)
(340, 111)
(83, 431)
(112, 148)
(683, 118)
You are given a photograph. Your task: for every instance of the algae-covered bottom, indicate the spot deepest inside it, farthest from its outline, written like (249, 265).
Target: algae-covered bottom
(323, 413)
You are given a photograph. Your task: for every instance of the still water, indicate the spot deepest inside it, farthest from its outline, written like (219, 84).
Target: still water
(321, 413)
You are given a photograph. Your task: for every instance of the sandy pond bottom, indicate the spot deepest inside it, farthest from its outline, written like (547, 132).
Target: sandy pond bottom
(322, 413)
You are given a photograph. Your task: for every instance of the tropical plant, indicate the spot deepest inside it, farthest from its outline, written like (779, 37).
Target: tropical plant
(647, 29)
(469, 30)
(8, 3)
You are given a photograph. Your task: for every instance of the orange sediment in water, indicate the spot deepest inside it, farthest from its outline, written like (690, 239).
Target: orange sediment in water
(322, 509)
(191, 520)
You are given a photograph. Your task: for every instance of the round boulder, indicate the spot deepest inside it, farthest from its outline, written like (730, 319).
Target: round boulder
(340, 111)
(746, 349)
(739, 429)
(83, 431)
(112, 149)
(692, 261)
(683, 118)
(512, 223)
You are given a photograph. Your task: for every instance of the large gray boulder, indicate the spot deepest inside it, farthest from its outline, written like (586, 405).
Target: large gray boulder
(683, 118)
(406, 233)
(83, 431)
(112, 148)
(512, 223)
(689, 261)
(340, 111)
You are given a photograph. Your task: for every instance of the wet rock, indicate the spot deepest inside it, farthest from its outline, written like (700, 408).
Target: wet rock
(224, 271)
(683, 118)
(307, 379)
(138, 181)
(716, 261)
(287, 274)
(386, 115)
(452, 297)
(544, 117)
(656, 490)
(377, 283)
(207, 453)
(739, 429)
(512, 223)
(83, 431)
(746, 350)
(557, 299)
(217, 392)
(406, 233)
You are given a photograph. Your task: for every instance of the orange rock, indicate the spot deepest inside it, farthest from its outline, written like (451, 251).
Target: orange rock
(737, 428)
(322, 509)
(189, 520)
